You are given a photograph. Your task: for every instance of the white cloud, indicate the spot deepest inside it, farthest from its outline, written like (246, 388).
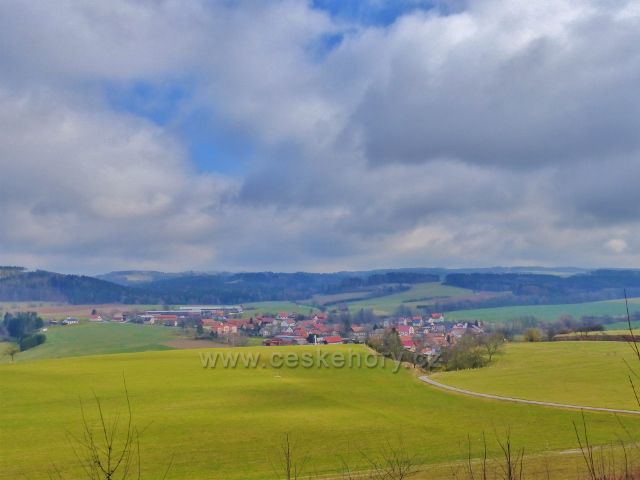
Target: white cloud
(98, 187)
(616, 245)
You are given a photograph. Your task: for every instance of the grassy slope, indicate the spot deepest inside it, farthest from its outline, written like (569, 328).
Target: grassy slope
(423, 292)
(582, 373)
(98, 338)
(547, 312)
(227, 424)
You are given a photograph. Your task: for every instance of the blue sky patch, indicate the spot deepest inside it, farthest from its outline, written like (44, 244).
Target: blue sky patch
(159, 103)
(371, 12)
(214, 146)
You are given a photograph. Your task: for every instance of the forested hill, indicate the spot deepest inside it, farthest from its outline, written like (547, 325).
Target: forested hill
(18, 284)
(595, 285)
(193, 288)
(262, 286)
(21, 285)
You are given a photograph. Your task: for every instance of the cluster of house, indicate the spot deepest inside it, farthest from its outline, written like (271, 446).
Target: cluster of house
(429, 336)
(417, 334)
(420, 334)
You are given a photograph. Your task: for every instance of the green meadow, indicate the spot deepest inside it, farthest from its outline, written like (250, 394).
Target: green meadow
(548, 312)
(592, 374)
(418, 294)
(261, 308)
(99, 338)
(216, 423)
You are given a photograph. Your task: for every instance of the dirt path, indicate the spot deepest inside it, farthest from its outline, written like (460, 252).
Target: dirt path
(432, 382)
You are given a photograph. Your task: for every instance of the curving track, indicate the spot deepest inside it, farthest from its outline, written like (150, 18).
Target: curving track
(432, 382)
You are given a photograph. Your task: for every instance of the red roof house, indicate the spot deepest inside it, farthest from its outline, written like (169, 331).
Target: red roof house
(332, 340)
(407, 343)
(405, 331)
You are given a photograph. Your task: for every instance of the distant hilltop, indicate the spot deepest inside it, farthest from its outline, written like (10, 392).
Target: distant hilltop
(515, 285)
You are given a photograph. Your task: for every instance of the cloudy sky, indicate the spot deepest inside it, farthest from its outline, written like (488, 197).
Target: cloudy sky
(319, 135)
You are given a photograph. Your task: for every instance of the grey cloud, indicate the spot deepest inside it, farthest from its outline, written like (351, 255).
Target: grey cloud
(73, 41)
(600, 194)
(541, 90)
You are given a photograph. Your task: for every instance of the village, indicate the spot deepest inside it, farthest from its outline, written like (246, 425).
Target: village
(426, 335)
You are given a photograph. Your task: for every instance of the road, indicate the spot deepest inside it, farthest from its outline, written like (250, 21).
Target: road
(432, 382)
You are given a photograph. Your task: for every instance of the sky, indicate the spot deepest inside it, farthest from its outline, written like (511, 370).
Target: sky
(319, 135)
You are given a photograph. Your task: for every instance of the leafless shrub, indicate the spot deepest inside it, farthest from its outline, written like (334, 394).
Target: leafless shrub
(601, 462)
(108, 449)
(512, 465)
(391, 463)
(291, 462)
(509, 466)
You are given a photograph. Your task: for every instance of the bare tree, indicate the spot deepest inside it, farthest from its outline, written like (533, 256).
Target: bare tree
(512, 464)
(11, 351)
(492, 344)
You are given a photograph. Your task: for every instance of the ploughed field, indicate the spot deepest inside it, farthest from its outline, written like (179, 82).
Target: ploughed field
(228, 423)
(594, 374)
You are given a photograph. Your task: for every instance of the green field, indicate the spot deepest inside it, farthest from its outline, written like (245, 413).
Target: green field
(261, 308)
(622, 326)
(228, 423)
(548, 312)
(99, 338)
(605, 333)
(582, 373)
(418, 294)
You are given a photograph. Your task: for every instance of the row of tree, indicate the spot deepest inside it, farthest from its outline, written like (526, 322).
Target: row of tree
(534, 329)
(22, 328)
